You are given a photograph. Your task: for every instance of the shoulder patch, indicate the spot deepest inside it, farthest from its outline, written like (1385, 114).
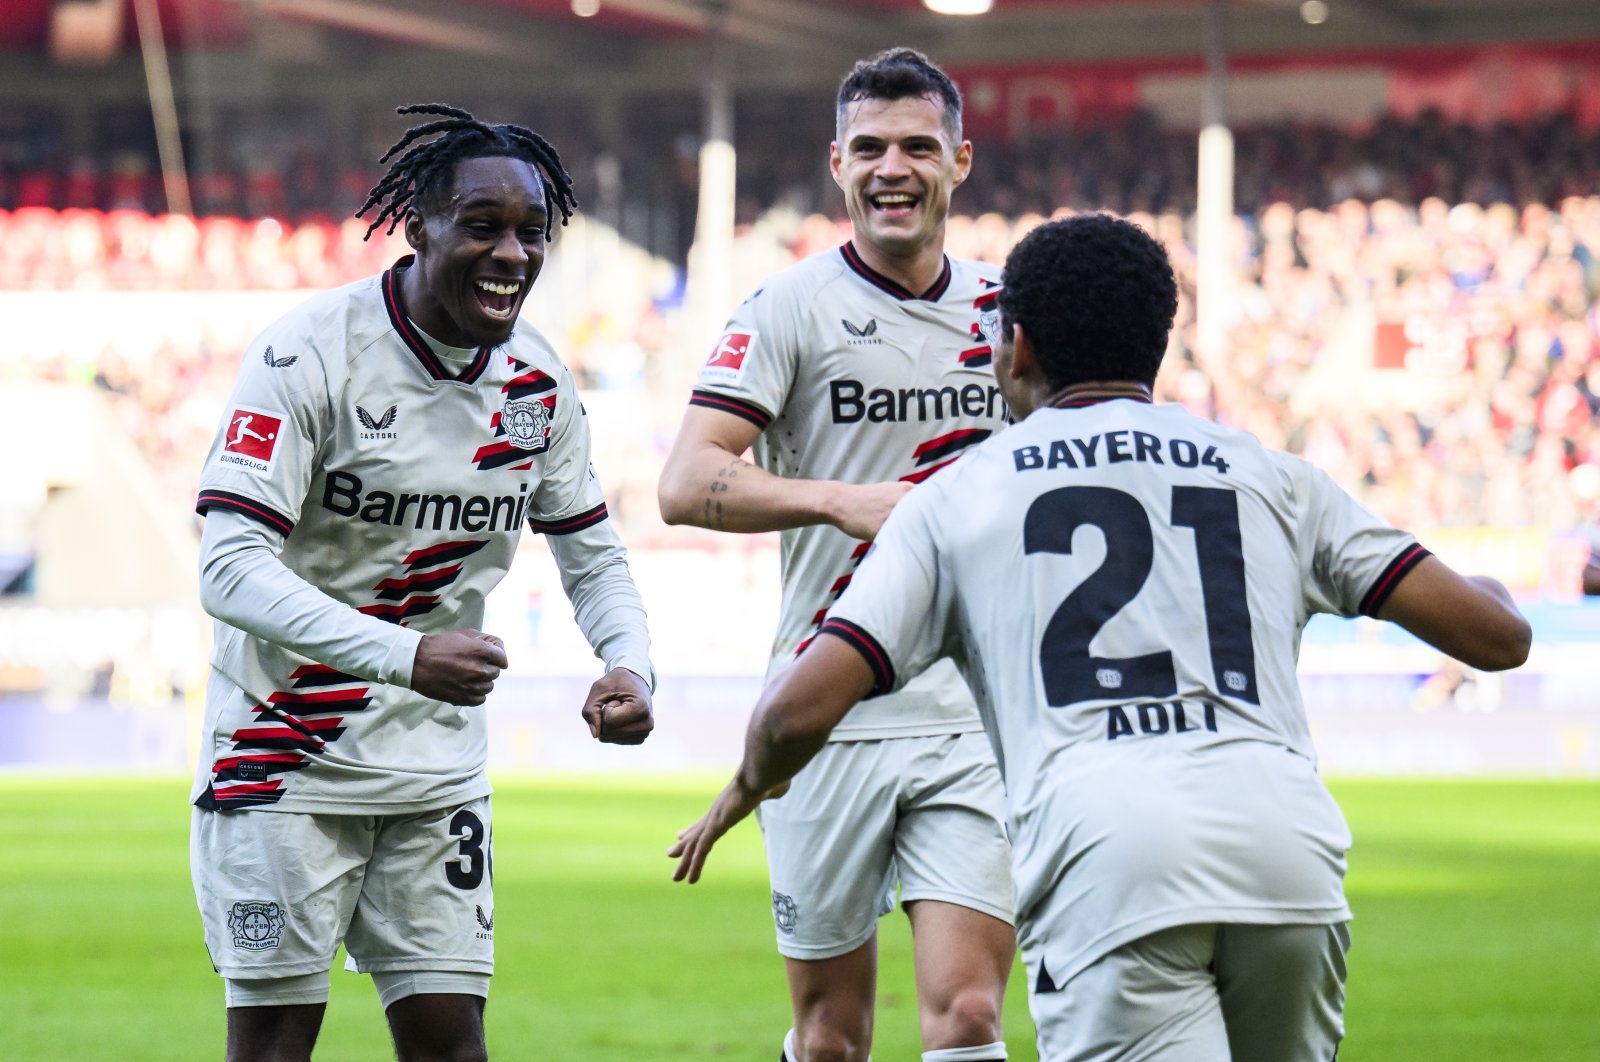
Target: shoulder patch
(727, 358)
(250, 438)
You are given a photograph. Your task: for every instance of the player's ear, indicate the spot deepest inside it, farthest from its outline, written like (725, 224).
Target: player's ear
(1024, 360)
(963, 161)
(835, 162)
(416, 236)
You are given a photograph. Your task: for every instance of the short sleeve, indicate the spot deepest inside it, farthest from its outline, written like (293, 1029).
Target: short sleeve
(265, 449)
(569, 496)
(751, 367)
(897, 611)
(1351, 557)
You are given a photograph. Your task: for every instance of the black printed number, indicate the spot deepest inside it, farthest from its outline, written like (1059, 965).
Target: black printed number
(1071, 674)
(474, 855)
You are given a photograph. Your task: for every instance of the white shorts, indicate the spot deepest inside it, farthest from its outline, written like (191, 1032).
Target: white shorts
(279, 891)
(928, 812)
(1201, 993)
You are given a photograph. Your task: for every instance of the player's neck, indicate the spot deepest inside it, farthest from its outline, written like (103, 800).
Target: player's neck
(916, 272)
(1097, 390)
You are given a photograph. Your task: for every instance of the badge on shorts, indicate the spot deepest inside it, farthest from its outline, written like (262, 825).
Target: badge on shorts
(256, 924)
(784, 912)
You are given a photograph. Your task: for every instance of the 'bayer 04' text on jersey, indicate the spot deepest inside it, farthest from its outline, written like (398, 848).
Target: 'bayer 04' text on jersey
(853, 378)
(401, 488)
(1124, 586)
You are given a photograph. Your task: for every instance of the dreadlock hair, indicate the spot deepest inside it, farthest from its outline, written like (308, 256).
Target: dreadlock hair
(415, 176)
(896, 74)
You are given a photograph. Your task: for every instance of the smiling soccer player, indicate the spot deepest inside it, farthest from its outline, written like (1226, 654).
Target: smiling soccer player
(405, 428)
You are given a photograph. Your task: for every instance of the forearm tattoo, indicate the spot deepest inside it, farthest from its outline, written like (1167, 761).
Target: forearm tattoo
(714, 517)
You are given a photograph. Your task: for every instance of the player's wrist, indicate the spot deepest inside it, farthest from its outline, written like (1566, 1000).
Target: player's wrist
(833, 502)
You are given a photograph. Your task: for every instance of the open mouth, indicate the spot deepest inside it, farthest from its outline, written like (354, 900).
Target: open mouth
(498, 298)
(895, 204)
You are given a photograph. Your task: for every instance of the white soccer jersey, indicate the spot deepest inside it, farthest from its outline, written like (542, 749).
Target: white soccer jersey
(1125, 586)
(851, 377)
(401, 488)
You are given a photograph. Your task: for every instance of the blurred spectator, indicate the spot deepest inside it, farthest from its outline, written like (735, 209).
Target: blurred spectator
(1414, 307)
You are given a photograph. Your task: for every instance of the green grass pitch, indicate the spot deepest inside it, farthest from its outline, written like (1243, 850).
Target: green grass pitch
(1477, 931)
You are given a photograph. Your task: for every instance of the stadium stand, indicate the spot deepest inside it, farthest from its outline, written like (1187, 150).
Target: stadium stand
(1438, 354)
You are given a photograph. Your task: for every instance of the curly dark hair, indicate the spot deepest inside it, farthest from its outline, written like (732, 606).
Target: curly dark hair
(1096, 296)
(415, 177)
(896, 74)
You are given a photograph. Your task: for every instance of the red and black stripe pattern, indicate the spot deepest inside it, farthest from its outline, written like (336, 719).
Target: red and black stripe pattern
(567, 525)
(260, 512)
(929, 458)
(403, 598)
(527, 383)
(937, 453)
(412, 338)
(290, 728)
(981, 353)
(865, 644)
(1396, 570)
(838, 587)
(728, 404)
(893, 287)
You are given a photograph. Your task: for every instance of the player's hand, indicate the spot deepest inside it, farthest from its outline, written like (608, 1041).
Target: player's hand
(618, 710)
(458, 667)
(864, 507)
(695, 842)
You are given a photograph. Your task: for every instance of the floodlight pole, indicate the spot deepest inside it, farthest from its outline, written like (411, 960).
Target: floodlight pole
(158, 78)
(711, 257)
(1214, 195)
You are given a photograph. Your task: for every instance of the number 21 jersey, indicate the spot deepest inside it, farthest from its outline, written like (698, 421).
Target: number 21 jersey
(1125, 588)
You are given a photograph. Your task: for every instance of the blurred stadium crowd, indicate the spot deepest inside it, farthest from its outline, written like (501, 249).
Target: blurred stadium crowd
(1415, 309)
(1476, 308)
(1129, 164)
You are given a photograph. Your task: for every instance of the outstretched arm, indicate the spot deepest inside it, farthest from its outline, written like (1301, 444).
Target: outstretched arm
(790, 725)
(1472, 618)
(706, 483)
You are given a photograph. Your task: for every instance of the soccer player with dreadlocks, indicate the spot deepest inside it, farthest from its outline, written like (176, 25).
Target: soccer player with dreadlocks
(370, 479)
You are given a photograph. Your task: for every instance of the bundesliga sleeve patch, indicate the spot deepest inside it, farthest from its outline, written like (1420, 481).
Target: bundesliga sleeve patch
(251, 439)
(727, 359)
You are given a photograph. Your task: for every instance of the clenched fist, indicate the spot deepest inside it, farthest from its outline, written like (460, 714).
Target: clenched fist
(618, 709)
(458, 667)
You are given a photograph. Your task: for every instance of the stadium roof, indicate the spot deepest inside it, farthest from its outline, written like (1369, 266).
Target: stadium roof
(785, 42)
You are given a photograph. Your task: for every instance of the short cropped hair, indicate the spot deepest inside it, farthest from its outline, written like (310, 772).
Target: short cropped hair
(1096, 296)
(897, 74)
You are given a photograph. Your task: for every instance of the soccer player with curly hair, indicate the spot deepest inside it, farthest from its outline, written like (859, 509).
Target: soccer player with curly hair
(383, 449)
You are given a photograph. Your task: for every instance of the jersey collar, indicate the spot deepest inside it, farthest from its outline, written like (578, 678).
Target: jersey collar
(413, 339)
(1079, 401)
(893, 287)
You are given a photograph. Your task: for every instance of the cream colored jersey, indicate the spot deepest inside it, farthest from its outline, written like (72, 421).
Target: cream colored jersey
(851, 377)
(1124, 586)
(401, 488)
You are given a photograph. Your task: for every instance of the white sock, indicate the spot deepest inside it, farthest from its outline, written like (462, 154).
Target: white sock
(981, 1053)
